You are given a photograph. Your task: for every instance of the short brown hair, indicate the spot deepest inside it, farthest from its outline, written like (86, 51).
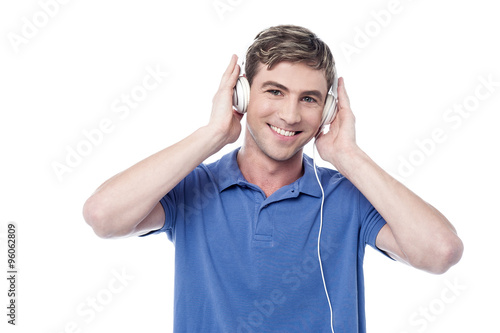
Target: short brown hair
(289, 43)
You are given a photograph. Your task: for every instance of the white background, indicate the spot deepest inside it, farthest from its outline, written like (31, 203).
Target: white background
(409, 68)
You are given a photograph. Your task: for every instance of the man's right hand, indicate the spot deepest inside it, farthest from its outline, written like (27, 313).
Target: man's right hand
(225, 122)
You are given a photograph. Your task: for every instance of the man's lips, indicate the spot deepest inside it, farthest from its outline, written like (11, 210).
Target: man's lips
(283, 132)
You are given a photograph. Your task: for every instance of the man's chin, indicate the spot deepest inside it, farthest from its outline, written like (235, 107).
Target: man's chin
(284, 156)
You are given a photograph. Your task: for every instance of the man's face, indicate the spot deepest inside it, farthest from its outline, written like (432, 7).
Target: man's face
(285, 109)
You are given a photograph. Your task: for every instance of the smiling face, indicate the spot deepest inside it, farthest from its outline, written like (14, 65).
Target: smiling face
(285, 109)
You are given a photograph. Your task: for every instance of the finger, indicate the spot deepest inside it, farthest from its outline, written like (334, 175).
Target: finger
(342, 93)
(231, 74)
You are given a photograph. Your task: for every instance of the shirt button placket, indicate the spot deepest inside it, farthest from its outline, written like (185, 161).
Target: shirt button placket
(263, 222)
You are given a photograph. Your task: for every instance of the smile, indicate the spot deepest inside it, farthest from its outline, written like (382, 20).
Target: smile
(282, 131)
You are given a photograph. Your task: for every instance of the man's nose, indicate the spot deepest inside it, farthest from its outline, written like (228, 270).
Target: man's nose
(290, 112)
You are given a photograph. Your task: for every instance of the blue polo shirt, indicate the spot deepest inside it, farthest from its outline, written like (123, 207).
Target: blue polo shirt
(245, 262)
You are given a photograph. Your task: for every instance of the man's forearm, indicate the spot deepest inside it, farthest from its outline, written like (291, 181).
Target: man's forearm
(124, 200)
(421, 231)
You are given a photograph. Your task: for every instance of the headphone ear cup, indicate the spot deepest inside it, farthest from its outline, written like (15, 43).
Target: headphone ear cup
(241, 95)
(329, 110)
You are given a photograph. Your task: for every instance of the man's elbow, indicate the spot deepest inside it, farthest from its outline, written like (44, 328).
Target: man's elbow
(97, 218)
(449, 253)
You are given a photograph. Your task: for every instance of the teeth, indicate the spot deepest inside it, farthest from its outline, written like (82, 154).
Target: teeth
(282, 131)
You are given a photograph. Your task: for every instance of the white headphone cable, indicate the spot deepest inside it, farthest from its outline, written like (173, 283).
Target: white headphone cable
(319, 236)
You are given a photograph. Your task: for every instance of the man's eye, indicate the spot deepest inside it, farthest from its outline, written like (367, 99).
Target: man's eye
(274, 92)
(309, 99)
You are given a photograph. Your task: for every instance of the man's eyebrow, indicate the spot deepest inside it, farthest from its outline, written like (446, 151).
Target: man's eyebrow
(274, 84)
(315, 93)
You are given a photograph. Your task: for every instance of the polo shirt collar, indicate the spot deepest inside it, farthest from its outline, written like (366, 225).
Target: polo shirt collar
(229, 171)
(308, 183)
(230, 174)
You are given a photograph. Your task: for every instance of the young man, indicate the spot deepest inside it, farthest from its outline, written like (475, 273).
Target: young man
(245, 228)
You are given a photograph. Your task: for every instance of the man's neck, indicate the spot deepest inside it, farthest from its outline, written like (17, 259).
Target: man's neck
(267, 173)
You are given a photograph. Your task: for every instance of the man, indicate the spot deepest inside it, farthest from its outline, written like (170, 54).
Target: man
(245, 228)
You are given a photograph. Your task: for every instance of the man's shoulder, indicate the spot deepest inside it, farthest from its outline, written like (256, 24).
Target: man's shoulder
(323, 171)
(329, 177)
(226, 162)
(221, 172)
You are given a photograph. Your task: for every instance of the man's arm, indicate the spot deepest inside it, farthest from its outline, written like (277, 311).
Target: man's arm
(416, 233)
(128, 203)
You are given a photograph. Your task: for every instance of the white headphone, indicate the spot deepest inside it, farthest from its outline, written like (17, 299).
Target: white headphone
(241, 98)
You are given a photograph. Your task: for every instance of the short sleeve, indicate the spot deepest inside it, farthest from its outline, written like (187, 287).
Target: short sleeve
(371, 223)
(168, 202)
